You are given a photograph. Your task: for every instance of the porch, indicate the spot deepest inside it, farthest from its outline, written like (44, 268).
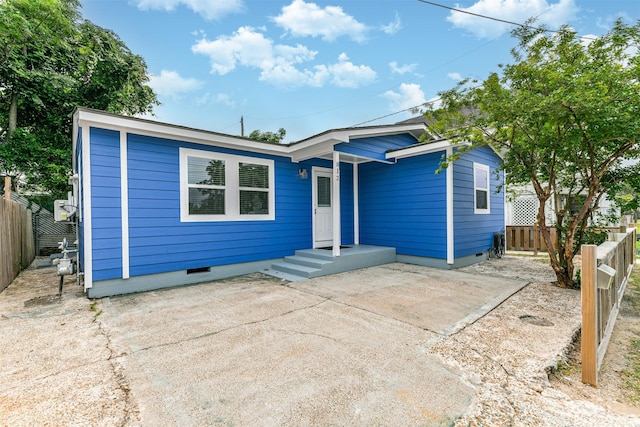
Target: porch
(309, 263)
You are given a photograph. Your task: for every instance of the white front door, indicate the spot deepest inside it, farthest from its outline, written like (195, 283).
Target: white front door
(322, 209)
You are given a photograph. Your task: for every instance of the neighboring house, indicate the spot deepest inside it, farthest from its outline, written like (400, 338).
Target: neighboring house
(521, 208)
(163, 205)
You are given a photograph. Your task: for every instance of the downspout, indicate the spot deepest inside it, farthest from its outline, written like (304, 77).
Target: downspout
(449, 186)
(335, 251)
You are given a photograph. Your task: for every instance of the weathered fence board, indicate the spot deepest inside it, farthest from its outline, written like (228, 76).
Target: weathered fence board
(16, 241)
(528, 238)
(601, 297)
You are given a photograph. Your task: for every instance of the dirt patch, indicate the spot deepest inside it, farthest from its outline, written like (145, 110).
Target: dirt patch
(612, 391)
(513, 391)
(43, 300)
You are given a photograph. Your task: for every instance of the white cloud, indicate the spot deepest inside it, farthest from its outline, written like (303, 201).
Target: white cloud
(553, 15)
(246, 47)
(280, 65)
(409, 95)
(301, 19)
(402, 69)
(607, 22)
(225, 99)
(455, 76)
(170, 84)
(394, 26)
(346, 74)
(208, 9)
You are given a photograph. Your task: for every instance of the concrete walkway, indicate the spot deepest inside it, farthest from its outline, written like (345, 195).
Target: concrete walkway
(347, 349)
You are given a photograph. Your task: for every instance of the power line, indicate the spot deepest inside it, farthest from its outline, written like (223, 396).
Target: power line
(471, 13)
(468, 13)
(518, 24)
(433, 101)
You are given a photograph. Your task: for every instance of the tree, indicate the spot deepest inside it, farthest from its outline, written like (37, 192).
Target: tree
(273, 138)
(566, 118)
(52, 61)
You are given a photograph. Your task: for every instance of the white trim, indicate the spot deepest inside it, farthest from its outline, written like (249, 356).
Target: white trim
(336, 204)
(356, 206)
(86, 199)
(321, 144)
(163, 130)
(481, 166)
(450, 223)
(232, 187)
(426, 148)
(315, 172)
(124, 203)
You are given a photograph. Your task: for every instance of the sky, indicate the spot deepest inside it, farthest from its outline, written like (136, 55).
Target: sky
(310, 66)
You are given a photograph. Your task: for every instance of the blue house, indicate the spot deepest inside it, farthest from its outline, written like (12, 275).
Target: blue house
(161, 205)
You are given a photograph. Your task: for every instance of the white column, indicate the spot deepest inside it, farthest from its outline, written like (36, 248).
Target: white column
(124, 202)
(449, 184)
(336, 204)
(356, 207)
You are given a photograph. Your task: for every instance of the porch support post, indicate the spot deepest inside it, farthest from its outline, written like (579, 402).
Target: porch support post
(356, 210)
(336, 204)
(449, 186)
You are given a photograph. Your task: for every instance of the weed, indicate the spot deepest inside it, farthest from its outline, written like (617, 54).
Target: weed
(632, 375)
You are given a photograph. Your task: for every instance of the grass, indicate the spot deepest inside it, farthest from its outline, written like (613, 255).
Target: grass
(631, 375)
(93, 307)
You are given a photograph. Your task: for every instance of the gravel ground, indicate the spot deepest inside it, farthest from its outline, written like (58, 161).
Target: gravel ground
(513, 383)
(505, 356)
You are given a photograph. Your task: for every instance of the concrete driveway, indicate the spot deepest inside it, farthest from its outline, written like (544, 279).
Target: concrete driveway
(347, 349)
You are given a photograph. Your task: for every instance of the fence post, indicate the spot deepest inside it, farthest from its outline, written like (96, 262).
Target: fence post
(535, 238)
(7, 188)
(589, 315)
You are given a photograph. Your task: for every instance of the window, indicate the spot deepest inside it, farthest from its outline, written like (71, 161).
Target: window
(224, 187)
(481, 186)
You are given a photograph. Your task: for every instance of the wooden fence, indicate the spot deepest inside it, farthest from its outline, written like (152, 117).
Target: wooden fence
(16, 241)
(528, 238)
(605, 272)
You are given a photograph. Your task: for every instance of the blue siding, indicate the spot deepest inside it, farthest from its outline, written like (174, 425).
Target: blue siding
(105, 204)
(159, 242)
(375, 147)
(404, 206)
(474, 232)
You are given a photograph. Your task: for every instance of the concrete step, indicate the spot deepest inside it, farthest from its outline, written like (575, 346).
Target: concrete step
(315, 253)
(307, 261)
(282, 275)
(296, 269)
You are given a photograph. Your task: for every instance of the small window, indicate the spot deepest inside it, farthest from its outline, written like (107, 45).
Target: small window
(481, 184)
(324, 192)
(223, 187)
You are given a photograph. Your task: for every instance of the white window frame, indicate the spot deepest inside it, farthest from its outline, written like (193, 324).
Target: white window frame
(232, 187)
(476, 188)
